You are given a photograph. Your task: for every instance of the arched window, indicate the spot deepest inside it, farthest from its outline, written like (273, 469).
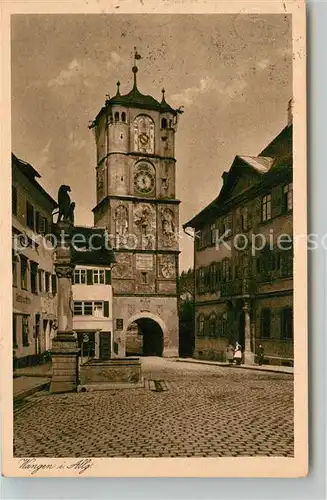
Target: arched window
(116, 116)
(201, 325)
(123, 116)
(164, 123)
(212, 325)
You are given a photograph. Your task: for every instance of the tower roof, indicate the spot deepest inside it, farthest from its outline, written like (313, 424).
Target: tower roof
(135, 99)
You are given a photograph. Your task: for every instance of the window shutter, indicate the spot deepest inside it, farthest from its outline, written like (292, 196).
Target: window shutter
(106, 308)
(54, 283)
(107, 277)
(89, 277)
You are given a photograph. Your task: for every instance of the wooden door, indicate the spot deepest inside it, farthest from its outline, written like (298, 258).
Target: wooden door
(105, 345)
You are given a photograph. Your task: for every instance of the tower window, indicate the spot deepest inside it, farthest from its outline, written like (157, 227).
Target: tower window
(123, 117)
(116, 116)
(144, 278)
(164, 123)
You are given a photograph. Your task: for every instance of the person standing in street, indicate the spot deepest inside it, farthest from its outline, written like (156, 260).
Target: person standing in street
(238, 353)
(261, 355)
(230, 353)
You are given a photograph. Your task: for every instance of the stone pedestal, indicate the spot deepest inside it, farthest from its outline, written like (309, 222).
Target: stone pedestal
(64, 345)
(64, 364)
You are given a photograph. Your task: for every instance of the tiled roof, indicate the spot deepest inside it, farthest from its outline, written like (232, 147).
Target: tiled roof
(31, 174)
(275, 159)
(134, 99)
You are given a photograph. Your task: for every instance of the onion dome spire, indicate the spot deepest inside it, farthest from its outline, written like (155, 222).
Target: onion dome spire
(137, 57)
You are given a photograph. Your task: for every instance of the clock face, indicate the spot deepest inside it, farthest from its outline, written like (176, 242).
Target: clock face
(144, 139)
(144, 181)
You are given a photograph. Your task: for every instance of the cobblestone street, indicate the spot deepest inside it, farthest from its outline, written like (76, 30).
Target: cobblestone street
(192, 410)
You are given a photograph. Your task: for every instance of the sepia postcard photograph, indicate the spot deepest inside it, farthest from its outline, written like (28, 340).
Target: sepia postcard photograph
(154, 225)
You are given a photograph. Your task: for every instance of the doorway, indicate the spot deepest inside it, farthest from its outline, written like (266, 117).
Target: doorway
(152, 339)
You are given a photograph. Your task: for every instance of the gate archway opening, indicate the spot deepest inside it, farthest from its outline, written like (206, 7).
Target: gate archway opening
(145, 338)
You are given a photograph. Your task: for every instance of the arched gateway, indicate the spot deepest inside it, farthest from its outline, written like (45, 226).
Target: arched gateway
(145, 335)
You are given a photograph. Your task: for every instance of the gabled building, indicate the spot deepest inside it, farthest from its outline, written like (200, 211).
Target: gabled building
(243, 258)
(92, 293)
(34, 281)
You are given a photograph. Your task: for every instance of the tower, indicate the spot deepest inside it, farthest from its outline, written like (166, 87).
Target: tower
(136, 203)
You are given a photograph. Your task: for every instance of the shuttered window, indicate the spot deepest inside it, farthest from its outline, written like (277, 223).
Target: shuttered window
(98, 277)
(97, 309)
(92, 277)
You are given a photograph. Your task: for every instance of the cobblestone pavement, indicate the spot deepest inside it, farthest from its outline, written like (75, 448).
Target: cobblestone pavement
(192, 410)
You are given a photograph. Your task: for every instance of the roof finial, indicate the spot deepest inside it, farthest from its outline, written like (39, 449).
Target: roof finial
(163, 94)
(118, 85)
(137, 56)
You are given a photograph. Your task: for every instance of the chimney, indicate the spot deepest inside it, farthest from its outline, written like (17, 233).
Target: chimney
(290, 113)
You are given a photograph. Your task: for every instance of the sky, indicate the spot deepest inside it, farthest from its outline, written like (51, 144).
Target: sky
(232, 74)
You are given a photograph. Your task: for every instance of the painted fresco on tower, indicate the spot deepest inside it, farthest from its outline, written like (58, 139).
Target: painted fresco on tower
(143, 134)
(144, 223)
(168, 231)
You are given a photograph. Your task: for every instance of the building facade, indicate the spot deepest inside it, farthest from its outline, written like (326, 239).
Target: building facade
(243, 259)
(34, 280)
(92, 298)
(136, 203)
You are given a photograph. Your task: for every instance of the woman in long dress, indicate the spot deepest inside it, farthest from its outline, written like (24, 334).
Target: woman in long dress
(238, 353)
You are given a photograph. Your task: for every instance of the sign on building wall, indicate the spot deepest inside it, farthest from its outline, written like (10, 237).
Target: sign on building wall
(119, 324)
(144, 262)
